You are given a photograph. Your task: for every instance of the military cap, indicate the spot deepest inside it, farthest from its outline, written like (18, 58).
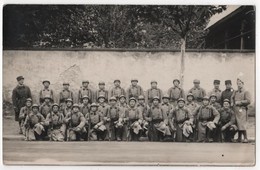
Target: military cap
(166, 96)
(93, 105)
(85, 81)
(216, 82)
(55, 104)
(132, 98)
(190, 94)
(206, 98)
(213, 95)
(75, 105)
(228, 82)
(181, 99)
(65, 83)
(29, 99)
(112, 98)
(19, 78)
(134, 80)
(141, 97)
(69, 100)
(156, 98)
(101, 83)
(117, 80)
(226, 100)
(47, 97)
(122, 96)
(35, 105)
(176, 80)
(46, 81)
(196, 81)
(101, 96)
(153, 81)
(85, 97)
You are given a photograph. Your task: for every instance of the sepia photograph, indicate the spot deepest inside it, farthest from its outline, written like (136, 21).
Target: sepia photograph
(167, 85)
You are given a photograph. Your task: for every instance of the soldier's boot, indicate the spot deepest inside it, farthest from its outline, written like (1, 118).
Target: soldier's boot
(20, 128)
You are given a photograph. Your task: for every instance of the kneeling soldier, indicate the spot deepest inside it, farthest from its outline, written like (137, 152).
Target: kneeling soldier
(95, 123)
(158, 128)
(227, 122)
(208, 118)
(75, 122)
(134, 120)
(85, 106)
(34, 124)
(54, 122)
(68, 108)
(182, 120)
(23, 113)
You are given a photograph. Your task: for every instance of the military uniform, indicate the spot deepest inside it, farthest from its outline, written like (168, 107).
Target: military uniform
(143, 108)
(117, 92)
(134, 91)
(175, 93)
(198, 93)
(226, 94)
(56, 127)
(101, 92)
(84, 107)
(45, 92)
(216, 92)
(95, 124)
(22, 115)
(75, 122)
(34, 125)
(85, 91)
(207, 117)
(19, 95)
(64, 95)
(102, 107)
(153, 92)
(45, 108)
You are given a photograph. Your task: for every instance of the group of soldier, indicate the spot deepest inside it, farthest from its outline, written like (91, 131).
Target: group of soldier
(129, 115)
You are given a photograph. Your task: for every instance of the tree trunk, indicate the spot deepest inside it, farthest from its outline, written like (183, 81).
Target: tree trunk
(183, 48)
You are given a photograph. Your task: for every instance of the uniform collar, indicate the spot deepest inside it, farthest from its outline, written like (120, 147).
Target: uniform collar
(46, 89)
(165, 104)
(153, 106)
(65, 90)
(216, 90)
(141, 104)
(194, 88)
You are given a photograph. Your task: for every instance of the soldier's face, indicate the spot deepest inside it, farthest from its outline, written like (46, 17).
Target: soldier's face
(55, 109)
(216, 86)
(122, 100)
(132, 103)
(35, 109)
(154, 85)
(196, 84)
(134, 83)
(85, 100)
(155, 102)
(47, 100)
(46, 84)
(101, 100)
(21, 81)
(165, 100)
(93, 109)
(240, 84)
(117, 83)
(226, 105)
(85, 84)
(69, 104)
(213, 99)
(28, 104)
(101, 86)
(176, 83)
(141, 101)
(75, 109)
(181, 104)
(205, 102)
(189, 98)
(112, 102)
(228, 86)
(66, 87)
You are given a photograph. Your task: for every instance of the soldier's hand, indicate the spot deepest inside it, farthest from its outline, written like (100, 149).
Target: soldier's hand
(77, 129)
(223, 128)
(238, 103)
(96, 127)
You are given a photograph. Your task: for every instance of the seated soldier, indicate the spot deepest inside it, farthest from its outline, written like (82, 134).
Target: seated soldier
(158, 122)
(54, 122)
(227, 122)
(95, 123)
(75, 123)
(208, 118)
(23, 113)
(134, 120)
(34, 124)
(182, 120)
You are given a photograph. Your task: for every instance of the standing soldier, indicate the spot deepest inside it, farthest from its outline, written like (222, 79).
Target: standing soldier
(175, 92)
(182, 120)
(85, 106)
(68, 107)
(102, 106)
(75, 122)
(117, 90)
(208, 118)
(64, 95)
(213, 101)
(227, 122)
(123, 107)
(46, 91)
(197, 92)
(114, 120)
(152, 92)
(134, 90)
(134, 120)
(95, 123)
(143, 108)
(19, 95)
(85, 91)
(23, 113)
(101, 91)
(45, 108)
(240, 101)
(33, 124)
(158, 129)
(216, 90)
(54, 122)
(167, 107)
(226, 94)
